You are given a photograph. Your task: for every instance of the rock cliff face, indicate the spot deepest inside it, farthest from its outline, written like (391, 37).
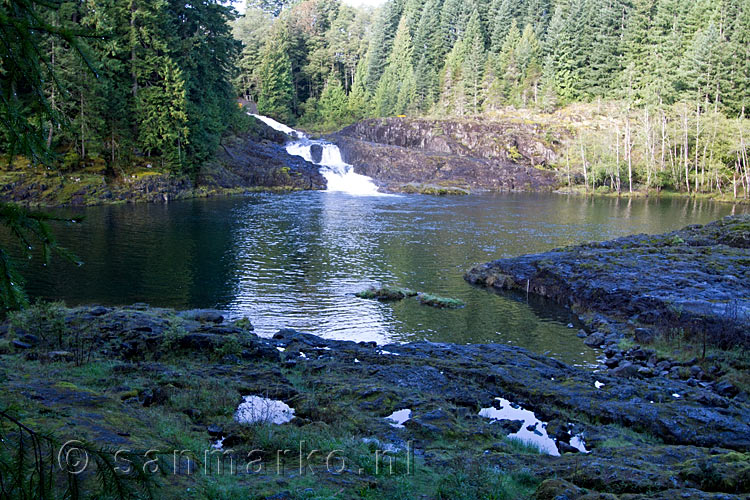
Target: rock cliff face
(259, 160)
(471, 156)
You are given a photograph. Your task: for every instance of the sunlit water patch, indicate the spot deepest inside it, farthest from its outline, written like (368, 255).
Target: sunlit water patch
(533, 431)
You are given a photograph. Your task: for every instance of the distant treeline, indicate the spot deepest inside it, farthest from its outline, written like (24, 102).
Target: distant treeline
(680, 71)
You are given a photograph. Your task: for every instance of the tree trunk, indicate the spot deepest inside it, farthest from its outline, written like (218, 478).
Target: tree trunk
(585, 170)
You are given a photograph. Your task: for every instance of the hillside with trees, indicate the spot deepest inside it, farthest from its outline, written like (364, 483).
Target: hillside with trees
(655, 90)
(143, 82)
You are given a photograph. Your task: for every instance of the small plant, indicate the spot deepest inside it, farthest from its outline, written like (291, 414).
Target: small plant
(44, 320)
(172, 336)
(244, 324)
(231, 346)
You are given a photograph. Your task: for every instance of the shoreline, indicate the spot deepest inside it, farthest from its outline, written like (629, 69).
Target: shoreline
(163, 188)
(175, 380)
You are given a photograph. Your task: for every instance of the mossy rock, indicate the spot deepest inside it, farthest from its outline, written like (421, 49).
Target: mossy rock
(729, 472)
(386, 293)
(428, 299)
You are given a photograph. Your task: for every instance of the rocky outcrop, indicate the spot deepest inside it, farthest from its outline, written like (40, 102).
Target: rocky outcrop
(696, 279)
(245, 162)
(409, 155)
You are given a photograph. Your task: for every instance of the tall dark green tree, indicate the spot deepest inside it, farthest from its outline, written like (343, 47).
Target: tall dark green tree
(381, 43)
(276, 98)
(474, 62)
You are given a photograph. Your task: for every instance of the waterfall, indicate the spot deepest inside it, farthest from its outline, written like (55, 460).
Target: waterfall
(339, 174)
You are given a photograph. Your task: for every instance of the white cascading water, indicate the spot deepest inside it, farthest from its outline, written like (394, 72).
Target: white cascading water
(340, 175)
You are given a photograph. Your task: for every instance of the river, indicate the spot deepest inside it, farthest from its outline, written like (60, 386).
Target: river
(295, 260)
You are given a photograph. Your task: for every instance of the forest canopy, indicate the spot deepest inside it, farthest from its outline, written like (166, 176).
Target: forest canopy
(153, 85)
(678, 70)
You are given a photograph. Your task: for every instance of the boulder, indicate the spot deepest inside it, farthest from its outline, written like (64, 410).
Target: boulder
(626, 370)
(596, 339)
(202, 315)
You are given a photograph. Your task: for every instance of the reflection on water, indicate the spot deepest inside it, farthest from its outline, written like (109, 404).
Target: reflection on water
(295, 260)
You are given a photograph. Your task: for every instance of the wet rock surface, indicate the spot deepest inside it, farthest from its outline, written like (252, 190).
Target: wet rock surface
(250, 160)
(643, 440)
(450, 157)
(696, 279)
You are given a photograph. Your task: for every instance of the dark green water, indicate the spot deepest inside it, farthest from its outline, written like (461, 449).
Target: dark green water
(295, 260)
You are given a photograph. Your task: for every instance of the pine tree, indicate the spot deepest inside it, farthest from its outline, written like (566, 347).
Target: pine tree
(381, 43)
(537, 16)
(568, 41)
(360, 102)
(527, 56)
(473, 64)
(501, 23)
(603, 57)
(739, 59)
(397, 88)
(205, 51)
(276, 96)
(163, 124)
(508, 63)
(428, 55)
(428, 40)
(451, 90)
(636, 44)
(703, 66)
(333, 105)
(452, 22)
(665, 58)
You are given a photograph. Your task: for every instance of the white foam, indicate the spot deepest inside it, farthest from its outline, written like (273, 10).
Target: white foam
(340, 175)
(578, 443)
(279, 126)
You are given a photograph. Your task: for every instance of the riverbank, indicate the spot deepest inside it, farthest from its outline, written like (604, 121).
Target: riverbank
(139, 378)
(641, 192)
(251, 161)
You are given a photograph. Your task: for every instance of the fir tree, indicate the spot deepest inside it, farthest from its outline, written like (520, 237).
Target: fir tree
(501, 23)
(360, 102)
(277, 94)
(473, 63)
(537, 16)
(396, 91)
(163, 116)
(381, 42)
(333, 104)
